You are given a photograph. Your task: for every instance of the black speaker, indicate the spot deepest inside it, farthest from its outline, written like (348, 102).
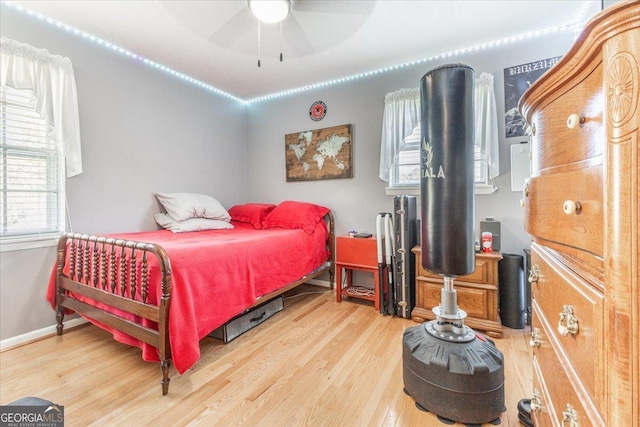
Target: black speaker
(512, 293)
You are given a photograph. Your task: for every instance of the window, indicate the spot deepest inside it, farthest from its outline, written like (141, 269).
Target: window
(405, 171)
(480, 167)
(400, 143)
(39, 143)
(31, 171)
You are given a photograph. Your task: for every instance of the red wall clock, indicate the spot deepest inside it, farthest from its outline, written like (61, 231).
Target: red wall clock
(318, 110)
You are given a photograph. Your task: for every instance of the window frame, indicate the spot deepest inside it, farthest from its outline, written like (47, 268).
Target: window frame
(53, 199)
(411, 144)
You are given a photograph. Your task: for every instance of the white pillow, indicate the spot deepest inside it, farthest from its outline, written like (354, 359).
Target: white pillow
(183, 206)
(193, 224)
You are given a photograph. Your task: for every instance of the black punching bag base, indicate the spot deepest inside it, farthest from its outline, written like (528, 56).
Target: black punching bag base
(457, 381)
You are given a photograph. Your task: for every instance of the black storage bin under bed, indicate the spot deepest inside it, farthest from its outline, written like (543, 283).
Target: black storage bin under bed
(248, 320)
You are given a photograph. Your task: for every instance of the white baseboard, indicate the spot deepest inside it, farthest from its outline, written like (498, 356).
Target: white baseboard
(23, 339)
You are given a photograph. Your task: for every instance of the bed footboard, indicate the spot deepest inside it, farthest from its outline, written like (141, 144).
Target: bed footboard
(115, 273)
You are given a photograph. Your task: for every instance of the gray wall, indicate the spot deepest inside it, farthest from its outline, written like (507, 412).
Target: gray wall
(142, 131)
(358, 200)
(177, 137)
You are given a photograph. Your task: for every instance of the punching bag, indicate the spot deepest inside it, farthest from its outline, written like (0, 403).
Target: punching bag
(447, 170)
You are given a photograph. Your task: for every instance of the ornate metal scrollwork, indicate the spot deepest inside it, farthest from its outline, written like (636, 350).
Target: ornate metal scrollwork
(536, 403)
(536, 339)
(570, 417)
(534, 274)
(568, 323)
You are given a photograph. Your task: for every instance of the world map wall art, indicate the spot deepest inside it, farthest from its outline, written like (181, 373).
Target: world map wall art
(319, 154)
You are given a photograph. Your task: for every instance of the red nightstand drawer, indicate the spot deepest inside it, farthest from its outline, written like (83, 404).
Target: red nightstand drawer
(357, 251)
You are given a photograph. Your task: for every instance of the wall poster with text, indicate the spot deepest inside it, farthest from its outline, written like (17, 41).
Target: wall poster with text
(516, 80)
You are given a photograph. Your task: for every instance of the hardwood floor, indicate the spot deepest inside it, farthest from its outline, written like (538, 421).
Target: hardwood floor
(317, 363)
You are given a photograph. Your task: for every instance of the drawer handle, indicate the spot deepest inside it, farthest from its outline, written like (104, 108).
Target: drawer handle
(570, 417)
(573, 120)
(525, 193)
(258, 318)
(534, 274)
(536, 404)
(529, 129)
(569, 207)
(535, 340)
(568, 323)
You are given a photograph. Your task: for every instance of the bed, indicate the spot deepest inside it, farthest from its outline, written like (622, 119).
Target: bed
(164, 291)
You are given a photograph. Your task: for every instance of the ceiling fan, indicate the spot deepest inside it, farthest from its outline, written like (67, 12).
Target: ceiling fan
(291, 17)
(269, 12)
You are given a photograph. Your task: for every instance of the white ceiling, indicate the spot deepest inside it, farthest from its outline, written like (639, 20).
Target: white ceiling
(216, 42)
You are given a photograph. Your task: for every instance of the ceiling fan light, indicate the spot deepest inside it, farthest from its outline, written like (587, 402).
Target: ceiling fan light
(270, 11)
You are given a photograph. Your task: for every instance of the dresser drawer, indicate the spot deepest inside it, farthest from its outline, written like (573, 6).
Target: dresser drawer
(555, 143)
(485, 272)
(477, 301)
(477, 293)
(360, 252)
(561, 299)
(559, 385)
(542, 411)
(545, 198)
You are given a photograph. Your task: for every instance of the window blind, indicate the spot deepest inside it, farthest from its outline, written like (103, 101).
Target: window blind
(31, 190)
(406, 168)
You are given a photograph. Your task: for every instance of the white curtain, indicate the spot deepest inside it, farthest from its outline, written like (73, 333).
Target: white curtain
(52, 83)
(401, 115)
(487, 123)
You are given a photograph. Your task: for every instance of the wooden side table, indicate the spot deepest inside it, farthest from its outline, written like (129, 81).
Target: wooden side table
(477, 293)
(354, 253)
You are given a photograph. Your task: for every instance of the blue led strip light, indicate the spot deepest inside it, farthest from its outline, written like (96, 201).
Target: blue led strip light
(123, 51)
(576, 27)
(419, 61)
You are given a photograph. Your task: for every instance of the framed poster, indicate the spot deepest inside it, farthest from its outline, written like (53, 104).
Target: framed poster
(516, 80)
(319, 154)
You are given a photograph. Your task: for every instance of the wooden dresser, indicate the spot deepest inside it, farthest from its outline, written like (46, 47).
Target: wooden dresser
(581, 208)
(477, 293)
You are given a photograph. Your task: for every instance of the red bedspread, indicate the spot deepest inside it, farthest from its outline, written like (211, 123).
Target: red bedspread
(217, 274)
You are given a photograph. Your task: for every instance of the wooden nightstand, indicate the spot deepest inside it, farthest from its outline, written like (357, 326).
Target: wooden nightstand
(477, 293)
(354, 253)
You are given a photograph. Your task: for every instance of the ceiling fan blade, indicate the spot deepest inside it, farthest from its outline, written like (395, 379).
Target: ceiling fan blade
(234, 28)
(296, 38)
(356, 7)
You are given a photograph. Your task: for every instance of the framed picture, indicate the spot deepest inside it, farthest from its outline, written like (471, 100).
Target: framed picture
(319, 154)
(516, 80)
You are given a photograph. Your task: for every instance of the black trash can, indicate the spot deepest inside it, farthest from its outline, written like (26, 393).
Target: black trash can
(527, 284)
(512, 292)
